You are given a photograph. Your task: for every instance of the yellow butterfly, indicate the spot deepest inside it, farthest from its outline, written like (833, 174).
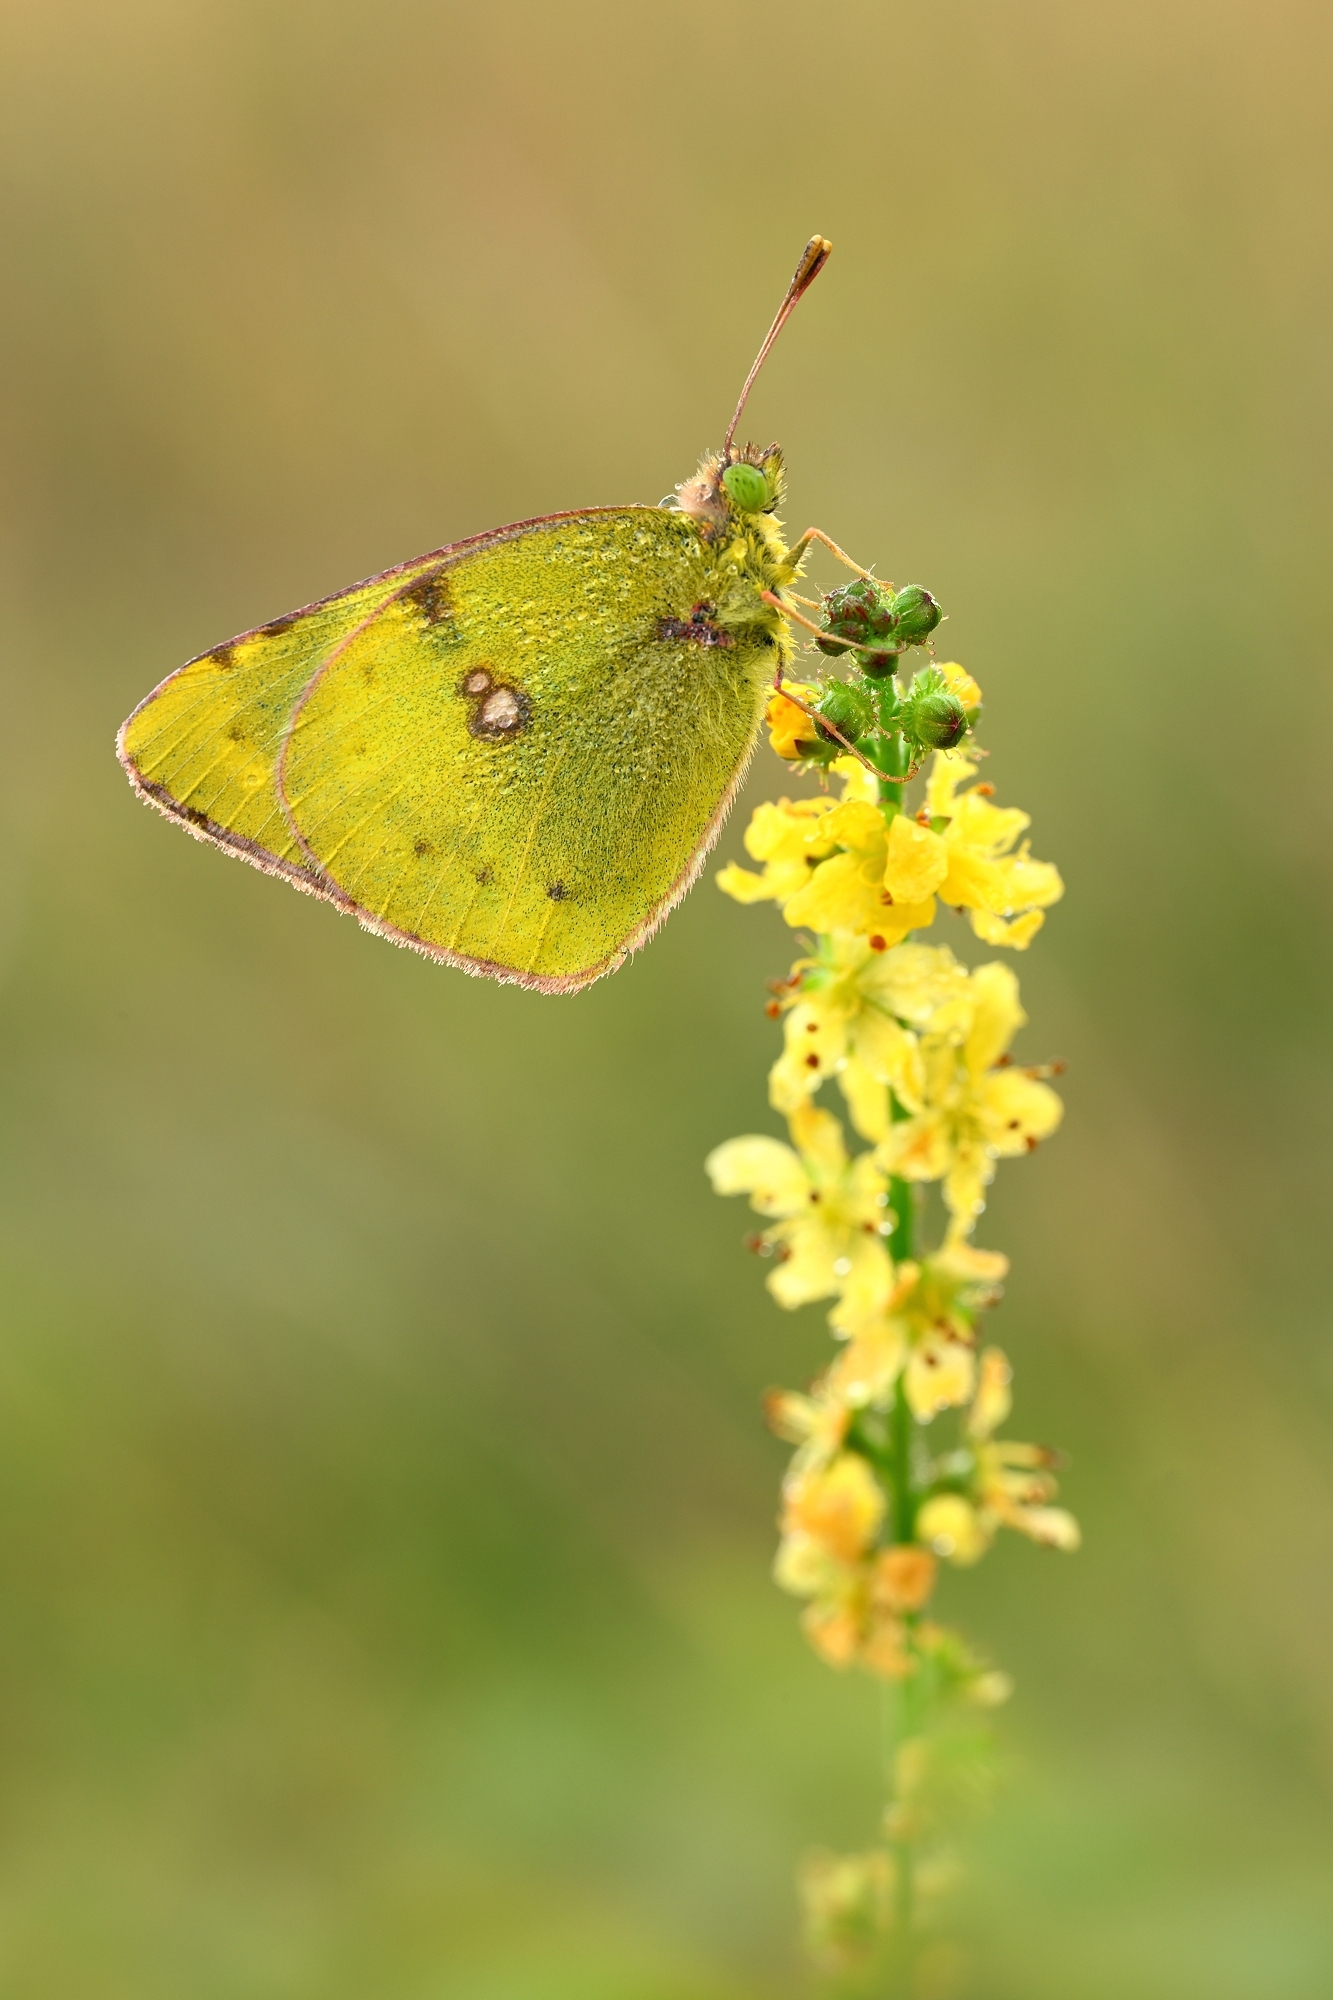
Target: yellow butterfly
(515, 753)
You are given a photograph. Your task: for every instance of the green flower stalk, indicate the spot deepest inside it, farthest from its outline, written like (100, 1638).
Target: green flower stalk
(899, 1464)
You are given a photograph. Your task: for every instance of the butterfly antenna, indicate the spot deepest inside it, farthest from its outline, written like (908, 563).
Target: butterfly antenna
(813, 259)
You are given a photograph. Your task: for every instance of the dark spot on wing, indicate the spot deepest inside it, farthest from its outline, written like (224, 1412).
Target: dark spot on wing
(277, 626)
(431, 597)
(698, 629)
(423, 847)
(557, 892)
(236, 732)
(483, 876)
(225, 657)
(193, 814)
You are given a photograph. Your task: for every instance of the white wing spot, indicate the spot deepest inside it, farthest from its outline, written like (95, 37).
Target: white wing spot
(500, 710)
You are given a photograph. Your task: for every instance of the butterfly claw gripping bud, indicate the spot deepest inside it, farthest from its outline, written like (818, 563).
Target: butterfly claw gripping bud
(916, 614)
(858, 615)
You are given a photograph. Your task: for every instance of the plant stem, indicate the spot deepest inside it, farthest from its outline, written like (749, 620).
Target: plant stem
(890, 756)
(901, 1695)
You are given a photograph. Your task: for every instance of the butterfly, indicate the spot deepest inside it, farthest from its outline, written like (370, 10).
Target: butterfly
(512, 754)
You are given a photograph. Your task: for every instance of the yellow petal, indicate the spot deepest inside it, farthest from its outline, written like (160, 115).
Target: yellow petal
(867, 1100)
(914, 981)
(991, 830)
(1018, 1111)
(1016, 932)
(1053, 1527)
(763, 1168)
(1032, 884)
(809, 1267)
(960, 682)
(866, 1290)
(840, 1506)
(884, 1649)
(973, 881)
(858, 783)
(917, 862)
(950, 770)
(949, 1525)
(833, 1631)
(855, 824)
(903, 1577)
(790, 1083)
(941, 1374)
(818, 1135)
(804, 1567)
(994, 1399)
(838, 897)
(790, 731)
(815, 1037)
(918, 1149)
(891, 1054)
(966, 1261)
(742, 885)
(788, 828)
(968, 1176)
(865, 1372)
(997, 1016)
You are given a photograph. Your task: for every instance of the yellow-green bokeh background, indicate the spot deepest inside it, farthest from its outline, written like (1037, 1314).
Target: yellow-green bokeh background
(384, 1512)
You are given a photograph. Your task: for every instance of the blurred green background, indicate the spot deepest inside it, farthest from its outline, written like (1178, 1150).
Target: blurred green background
(385, 1515)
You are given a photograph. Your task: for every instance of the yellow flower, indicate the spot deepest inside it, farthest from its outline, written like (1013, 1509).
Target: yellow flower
(941, 1372)
(968, 1107)
(838, 1506)
(924, 1323)
(790, 731)
(787, 837)
(1009, 1485)
(854, 890)
(1014, 1483)
(904, 1577)
(847, 1903)
(845, 1020)
(830, 1210)
(1004, 893)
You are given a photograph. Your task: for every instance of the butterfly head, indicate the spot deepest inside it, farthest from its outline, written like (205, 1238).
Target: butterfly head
(747, 480)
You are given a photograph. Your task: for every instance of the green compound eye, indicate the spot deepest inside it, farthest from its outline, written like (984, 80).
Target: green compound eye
(747, 486)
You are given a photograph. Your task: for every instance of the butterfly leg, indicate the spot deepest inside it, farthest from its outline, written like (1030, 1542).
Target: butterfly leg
(782, 605)
(821, 721)
(796, 554)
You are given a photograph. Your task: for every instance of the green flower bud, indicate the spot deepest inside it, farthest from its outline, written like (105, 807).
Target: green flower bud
(938, 720)
(860, 611)
(917, 614)
(849, 709)
(748, 488)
